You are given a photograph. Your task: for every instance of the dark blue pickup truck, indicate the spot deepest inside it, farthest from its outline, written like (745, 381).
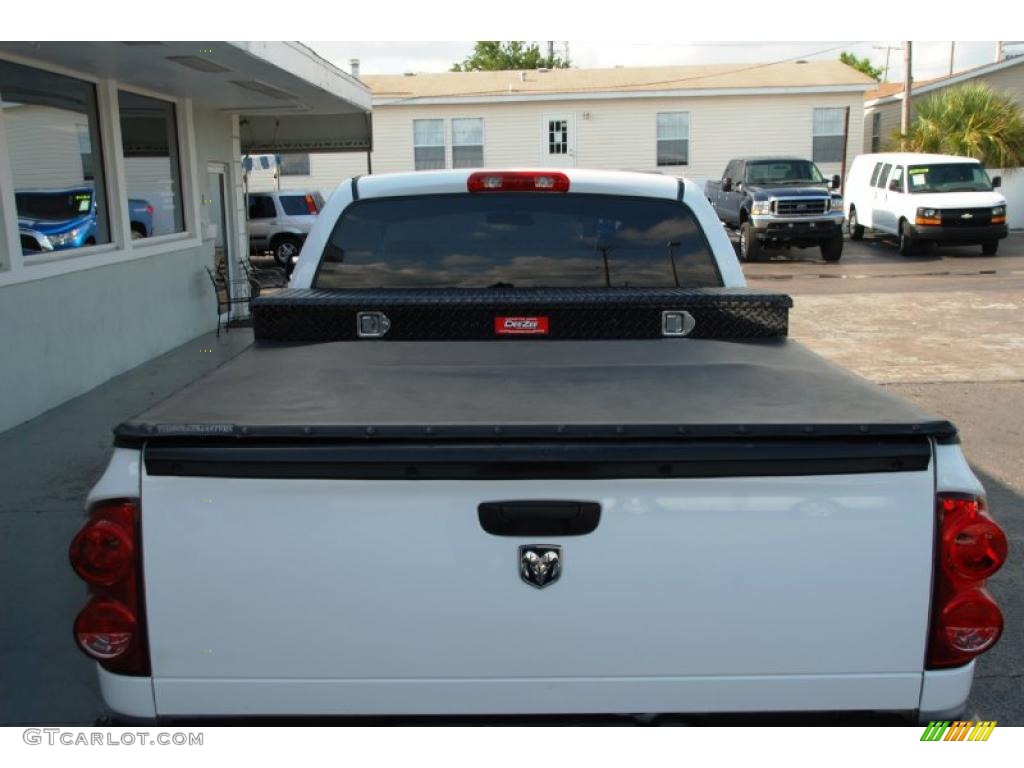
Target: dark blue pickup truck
(779, 202)
(57, 219)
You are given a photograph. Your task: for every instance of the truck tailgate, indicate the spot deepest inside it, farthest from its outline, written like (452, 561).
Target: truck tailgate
(714, 593)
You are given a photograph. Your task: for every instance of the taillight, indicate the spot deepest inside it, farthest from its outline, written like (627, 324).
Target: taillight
(311, 205)
(105, 555)
(106, 629)
(973, 546)
(102, 553)
(517, 181)
(965, 619)
(150, 209)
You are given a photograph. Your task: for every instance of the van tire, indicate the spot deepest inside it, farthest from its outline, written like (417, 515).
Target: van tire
(832, 249)
(856, 230)
(750, 247)
(990, 248)
(908, 243)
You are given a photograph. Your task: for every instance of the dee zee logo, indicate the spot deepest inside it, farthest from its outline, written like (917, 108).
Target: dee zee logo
(521, 326)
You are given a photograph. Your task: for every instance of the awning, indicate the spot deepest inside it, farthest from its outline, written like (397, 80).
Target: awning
(288, 98)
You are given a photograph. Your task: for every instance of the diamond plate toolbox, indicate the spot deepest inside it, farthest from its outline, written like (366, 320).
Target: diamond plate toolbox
(464, 314)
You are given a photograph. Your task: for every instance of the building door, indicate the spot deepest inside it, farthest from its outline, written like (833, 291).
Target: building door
(215, 215)
(218, 231)
(558, 140)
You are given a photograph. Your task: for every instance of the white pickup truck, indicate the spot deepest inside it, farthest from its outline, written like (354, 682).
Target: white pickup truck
(524, 442)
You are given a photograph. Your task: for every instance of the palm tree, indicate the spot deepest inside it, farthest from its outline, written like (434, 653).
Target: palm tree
(970, 120)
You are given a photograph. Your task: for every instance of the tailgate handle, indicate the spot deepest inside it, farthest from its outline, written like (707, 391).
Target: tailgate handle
(539, 518)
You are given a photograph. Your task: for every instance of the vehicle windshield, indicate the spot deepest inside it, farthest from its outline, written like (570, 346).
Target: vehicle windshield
(949, 177)
(783, 172)
(53, 206)
(517, 240)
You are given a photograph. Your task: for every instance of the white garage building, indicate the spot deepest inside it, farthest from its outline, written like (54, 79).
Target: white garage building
(120, 182)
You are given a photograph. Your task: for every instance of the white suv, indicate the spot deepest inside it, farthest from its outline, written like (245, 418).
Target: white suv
(279, 221)
(925, 199)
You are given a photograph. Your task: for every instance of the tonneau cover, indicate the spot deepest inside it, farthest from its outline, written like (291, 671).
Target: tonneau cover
(527, 389)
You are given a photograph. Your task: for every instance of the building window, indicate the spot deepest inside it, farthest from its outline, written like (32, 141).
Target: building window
(467, 142)
(558, 137)
(295, 165)
(673, 138)
(827, 138)
(54, 148)
(428, 144)
(152, 166)
(876, 132)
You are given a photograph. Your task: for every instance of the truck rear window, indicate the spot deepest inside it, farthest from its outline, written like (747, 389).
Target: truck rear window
(517, 240)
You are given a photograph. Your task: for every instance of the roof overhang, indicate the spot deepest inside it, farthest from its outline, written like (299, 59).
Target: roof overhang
(503, 98)
(288, 97)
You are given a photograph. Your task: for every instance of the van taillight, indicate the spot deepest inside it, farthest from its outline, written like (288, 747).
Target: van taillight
(971, 547)
(517, 181)
(311, 205)
(105, 555)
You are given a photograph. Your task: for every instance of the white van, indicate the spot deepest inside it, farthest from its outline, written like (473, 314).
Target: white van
(924, 199)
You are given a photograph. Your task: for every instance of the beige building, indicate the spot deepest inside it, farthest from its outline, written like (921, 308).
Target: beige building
(884, 104)
(680, 120)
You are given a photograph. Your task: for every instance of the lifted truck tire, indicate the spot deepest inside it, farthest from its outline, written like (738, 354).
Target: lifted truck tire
(856, 230)
(832, 249)
(990, 248)
(750, 247)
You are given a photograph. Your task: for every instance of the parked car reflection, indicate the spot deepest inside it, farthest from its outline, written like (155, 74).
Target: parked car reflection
(58, 219)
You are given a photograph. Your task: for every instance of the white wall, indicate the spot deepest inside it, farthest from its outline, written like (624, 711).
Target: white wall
(326, 171)
(613, 134)
(1013, 191)
(44, 146)
(149, 179)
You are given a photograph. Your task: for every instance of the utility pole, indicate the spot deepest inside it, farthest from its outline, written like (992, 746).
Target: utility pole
(952, 49)
(551, 52)
(846, 139)
(888, 49)
(908, 83)
(1000, 51)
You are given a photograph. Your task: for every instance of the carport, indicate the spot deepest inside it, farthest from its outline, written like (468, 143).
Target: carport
(140, 145)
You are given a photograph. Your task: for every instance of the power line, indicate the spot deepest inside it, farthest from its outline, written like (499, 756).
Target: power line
(599, 88)
(700, 44)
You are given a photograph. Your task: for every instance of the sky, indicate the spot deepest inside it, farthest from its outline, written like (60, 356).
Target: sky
(931, 59)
